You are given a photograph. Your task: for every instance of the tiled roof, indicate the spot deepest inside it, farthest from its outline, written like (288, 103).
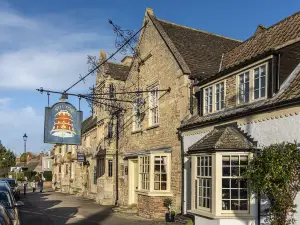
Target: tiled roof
(223, 138)
(198, 52)
(117, 71)
(265, 40)
(88, 124)
(289, 92)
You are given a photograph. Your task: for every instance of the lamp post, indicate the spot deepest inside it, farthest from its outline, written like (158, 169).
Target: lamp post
(25, 139)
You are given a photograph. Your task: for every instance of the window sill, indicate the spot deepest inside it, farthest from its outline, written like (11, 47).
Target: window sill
(136, 131)
(152, 127)
(198, 212)
(156, 194)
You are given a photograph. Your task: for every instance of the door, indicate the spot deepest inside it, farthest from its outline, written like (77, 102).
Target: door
(133, 179)
(136, 180)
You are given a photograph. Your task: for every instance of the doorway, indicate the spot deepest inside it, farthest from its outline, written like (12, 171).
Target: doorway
(133, 179)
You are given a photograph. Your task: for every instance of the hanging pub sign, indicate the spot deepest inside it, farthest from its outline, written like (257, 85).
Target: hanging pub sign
(62, 124)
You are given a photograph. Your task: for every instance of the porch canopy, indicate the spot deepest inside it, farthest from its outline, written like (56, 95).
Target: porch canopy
(224, 138)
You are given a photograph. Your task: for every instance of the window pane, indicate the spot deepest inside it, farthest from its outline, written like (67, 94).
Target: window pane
(234, 205)
(226, 160)
(234, 193)
(244, 160)
(263, 92)
(234, 183)
(225, 183)
(164, 177)
(226, 171)
(234, 171)
(226, 205)
(163, 186)
(256, 94)
(234, 160)
(243, 205)
(256, 73)
(156, 186)
(243, 184)
(242, 170)
(243, 194)
(156, 177)
(226, 194)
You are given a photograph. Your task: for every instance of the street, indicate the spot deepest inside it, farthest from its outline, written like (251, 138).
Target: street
(56, 208)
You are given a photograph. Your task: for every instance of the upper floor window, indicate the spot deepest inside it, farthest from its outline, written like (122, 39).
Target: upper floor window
(252, 84)
(110, 168)
(112, 91)
(208, 100)
(153, 106)
(244, 87)
(260, 82)
(214, 98)
(110, 130)
(136, 117)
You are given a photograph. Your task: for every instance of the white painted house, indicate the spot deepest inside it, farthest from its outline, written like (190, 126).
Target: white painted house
(253, 101)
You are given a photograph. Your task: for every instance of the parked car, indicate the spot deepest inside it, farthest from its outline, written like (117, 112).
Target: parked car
(14, 187)
(4, 217)
(8, 201)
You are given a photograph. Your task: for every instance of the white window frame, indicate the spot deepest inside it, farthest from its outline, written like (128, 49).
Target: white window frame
(239, 87)
(203, 175)
(152, 173)
(214, 97)
(154, 105)
(252, 84)
(259, 82)
(144, 172)
(158, 174)
(207, 98)
(230, 177)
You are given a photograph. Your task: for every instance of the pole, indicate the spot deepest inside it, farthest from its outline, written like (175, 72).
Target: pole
(25, 153)
(117, 157)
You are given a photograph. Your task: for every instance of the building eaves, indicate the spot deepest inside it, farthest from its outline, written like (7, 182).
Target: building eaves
(288, 95)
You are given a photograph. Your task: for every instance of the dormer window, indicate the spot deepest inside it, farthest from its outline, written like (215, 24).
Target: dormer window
(244, 87)
(252, 84)
(260, 82)
(214, 98)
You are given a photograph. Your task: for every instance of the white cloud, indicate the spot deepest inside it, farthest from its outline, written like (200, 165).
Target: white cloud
(4, 101)
(15, 122)
(38, 52)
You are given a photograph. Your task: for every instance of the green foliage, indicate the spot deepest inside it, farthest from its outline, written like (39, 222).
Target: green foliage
(190, 222)
(17, 176)
(275, 173)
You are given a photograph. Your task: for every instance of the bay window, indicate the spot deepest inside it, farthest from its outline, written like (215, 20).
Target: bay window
(144, 172)
(234, 188)
(204, 173)
(154, 172)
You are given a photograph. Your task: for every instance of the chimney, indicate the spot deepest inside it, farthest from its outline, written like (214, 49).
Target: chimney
(260, 28)
(102, 55)
(127, 60)
(150, 11)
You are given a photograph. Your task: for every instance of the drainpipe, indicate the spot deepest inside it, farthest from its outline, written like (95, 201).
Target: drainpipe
(182, 174)
(117, 158)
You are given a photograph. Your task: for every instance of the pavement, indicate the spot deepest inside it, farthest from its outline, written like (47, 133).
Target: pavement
(53, 208)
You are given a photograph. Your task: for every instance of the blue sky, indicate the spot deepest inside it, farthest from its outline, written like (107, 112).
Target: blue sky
(45, 44)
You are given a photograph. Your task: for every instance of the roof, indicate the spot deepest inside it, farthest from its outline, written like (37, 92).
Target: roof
(198, 53)
(31, 165)
(88, 124)
(263, 41)
(289, 93)
(223, 138)
(117, 71)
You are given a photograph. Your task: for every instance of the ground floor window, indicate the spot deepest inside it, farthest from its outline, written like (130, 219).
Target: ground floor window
(204, 173)
(234, 188)
(110, 168)
(144, 172)
(100, 167)
(154, 172)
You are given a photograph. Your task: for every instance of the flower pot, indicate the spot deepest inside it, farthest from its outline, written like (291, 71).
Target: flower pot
(167, 217)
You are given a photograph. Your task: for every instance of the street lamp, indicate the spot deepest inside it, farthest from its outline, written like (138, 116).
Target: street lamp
(25, 139)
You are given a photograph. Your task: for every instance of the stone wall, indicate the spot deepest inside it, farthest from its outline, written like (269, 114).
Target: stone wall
(151, 207)
(162, 68)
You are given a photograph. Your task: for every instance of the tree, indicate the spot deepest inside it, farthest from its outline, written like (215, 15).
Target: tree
(275, 173)
(2, 148)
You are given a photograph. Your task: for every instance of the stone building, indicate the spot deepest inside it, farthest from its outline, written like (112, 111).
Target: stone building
(150, 163)
(251, 102)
